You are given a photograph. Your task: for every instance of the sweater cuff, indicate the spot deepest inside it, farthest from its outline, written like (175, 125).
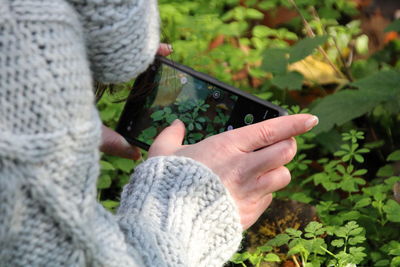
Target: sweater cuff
(178, 212)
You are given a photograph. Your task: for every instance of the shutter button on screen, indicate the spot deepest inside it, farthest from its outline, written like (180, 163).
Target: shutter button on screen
(248, 119)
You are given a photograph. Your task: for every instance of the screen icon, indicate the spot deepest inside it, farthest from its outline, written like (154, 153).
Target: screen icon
(248, 119)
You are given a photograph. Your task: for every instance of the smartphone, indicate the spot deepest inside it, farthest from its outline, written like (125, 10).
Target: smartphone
(167, 91)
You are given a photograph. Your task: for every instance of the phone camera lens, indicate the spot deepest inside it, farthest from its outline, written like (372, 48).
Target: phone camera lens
(184, 80)
(216, 94)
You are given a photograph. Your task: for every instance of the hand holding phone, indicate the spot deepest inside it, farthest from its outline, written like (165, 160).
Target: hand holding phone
(249, 160)
(168, 91)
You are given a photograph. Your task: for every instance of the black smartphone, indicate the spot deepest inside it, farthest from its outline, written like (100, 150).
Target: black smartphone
(167, 91)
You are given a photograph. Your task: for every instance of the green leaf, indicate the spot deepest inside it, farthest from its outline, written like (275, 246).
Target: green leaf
(158, 115)
(382, 263)
(240, 257)
(338, 243)
(293, 232)
(356, 240)
(314, 227)
(261, 31)
(359, 158)
(106, 166)
(290, 80)
(392, 208)
(252, 13)
(110, 204)
(394, 26)
(350, 215)
(265, 248)
(298, 249)
(363, 203)
(335, 109)
(104, 181)
(171, 118)
(275, 61)
(395, 262)
(124, 164)
(385, 83)
(394, 156)
(272, 257)
(358, 254)
(305, 47)
(385, 171)
(279, 240)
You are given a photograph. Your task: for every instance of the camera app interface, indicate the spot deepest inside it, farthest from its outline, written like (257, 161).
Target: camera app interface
(204, 108)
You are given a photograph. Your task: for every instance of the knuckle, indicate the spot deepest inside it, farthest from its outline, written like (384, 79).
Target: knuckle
(289, 150)
(267, 135)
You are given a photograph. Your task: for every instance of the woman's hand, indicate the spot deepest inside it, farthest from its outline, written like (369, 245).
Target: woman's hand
(249, 160)
(112, 142)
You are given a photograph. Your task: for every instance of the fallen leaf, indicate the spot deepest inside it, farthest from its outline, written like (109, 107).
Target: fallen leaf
(316, 71)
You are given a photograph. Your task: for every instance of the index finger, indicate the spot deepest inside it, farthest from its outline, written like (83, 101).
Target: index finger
(265, 133)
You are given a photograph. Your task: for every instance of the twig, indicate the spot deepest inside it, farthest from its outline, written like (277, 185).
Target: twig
(295, 261)
(341, 57)
(311, 33)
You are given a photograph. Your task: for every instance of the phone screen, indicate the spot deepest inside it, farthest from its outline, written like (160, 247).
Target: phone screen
(165, 93)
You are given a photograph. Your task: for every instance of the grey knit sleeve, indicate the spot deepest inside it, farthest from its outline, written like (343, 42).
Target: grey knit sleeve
(176, 212)
(122, 36)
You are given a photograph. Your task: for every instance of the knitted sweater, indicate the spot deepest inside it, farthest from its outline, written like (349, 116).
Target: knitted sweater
(174, 211)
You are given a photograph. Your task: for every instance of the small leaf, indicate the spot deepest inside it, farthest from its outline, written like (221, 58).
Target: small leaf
(265, 248)
(359, 158)
(356, 240)
(124, 164)
(360, 172)
(385, 171)
(106, 166)
(337, 243)
(279, 240)
(290, 80)
(110, 204)
(392, 208)
(272, 257)
(363, 203)
(104, 181)
(395, 262)
(240, 257)
(275, 61)
(394, 156)
(158, 115)
(252, 13)
(305, 47)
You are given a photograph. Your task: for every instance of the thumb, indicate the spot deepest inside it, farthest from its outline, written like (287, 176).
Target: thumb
(169, 140)
(114, 144)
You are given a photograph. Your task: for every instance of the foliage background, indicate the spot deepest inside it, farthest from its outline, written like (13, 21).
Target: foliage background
(336, 59)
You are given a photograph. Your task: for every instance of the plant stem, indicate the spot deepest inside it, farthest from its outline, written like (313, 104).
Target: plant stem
(341, 57)
(327, 251)
(295, 261)
(311, 33)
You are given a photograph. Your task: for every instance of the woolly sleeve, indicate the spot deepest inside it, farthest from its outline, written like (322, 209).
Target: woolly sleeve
(176, 212)
(122, 36)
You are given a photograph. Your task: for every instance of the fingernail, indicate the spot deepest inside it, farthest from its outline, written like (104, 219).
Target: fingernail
(312, 122)
(176, 122)
(137, 155)
(132, 152)
(170, 48)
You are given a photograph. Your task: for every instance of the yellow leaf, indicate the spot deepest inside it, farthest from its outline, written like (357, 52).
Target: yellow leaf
(316, 71)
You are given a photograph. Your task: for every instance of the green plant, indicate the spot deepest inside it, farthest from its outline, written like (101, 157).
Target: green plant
(262, 254)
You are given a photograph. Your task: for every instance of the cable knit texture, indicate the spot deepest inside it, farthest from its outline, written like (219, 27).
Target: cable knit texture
(174, 211)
